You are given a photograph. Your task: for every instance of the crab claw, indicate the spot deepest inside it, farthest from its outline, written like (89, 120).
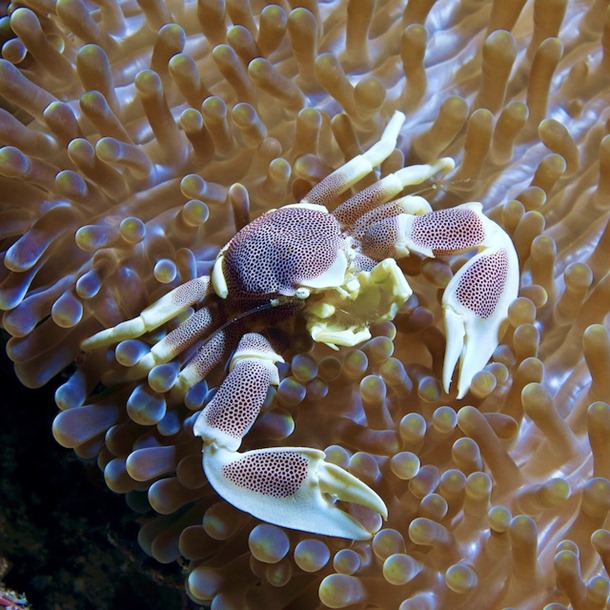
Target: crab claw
(476, 300)
(475, 304)
(292, 487)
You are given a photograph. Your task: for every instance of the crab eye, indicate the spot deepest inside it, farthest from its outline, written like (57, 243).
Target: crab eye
(302, 293)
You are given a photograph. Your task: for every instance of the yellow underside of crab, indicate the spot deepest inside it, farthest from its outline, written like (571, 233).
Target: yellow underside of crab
(344, 315)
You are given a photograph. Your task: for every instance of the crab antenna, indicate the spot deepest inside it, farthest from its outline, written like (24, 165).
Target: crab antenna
(271, 304)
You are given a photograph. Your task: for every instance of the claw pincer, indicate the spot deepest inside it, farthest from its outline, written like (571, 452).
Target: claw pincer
(475, 302)
(290, 486)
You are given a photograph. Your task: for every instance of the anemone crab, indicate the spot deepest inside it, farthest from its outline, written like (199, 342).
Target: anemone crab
(339, 267)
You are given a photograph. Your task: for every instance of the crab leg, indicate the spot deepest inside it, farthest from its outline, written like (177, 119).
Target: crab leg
(368, 201)
(212, 353)
(475, 302)
(184, 336)
(286, 486)
(160, 312)
(355, 169)
(381, 191)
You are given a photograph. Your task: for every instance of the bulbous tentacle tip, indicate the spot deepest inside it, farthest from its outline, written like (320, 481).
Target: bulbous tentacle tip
(291, 487)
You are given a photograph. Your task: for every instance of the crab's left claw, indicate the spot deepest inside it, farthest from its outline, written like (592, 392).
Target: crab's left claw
(476, 300)
(475, 305)
(292, 487)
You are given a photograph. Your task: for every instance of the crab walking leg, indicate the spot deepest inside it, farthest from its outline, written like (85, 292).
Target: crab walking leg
(212, 353)
(409, 204)
(356, 208)
(476, 301)
(200, 324)
(341, 179)
(286, 486)
(160, 312)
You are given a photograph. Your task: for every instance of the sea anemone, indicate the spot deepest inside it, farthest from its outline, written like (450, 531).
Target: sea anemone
(138, 137)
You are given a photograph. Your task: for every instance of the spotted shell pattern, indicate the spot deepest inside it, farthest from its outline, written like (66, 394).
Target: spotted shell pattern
(476, 291)
(232, 412)
(277, 251)
(448, 230)
(279, 475)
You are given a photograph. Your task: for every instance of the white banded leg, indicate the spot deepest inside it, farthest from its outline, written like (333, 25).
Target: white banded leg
(167, 307)
(212, 353)
(409, 204)
(167, 385)
(383, 190)
(366, 205)
(290, 486)
(355, 169)
(476, 301)
(199, 325)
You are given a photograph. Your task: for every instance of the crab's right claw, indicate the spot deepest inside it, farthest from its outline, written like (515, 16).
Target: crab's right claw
(475, 304)
(292, 487)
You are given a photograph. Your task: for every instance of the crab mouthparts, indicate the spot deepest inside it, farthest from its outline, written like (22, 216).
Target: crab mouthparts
(344, 314)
